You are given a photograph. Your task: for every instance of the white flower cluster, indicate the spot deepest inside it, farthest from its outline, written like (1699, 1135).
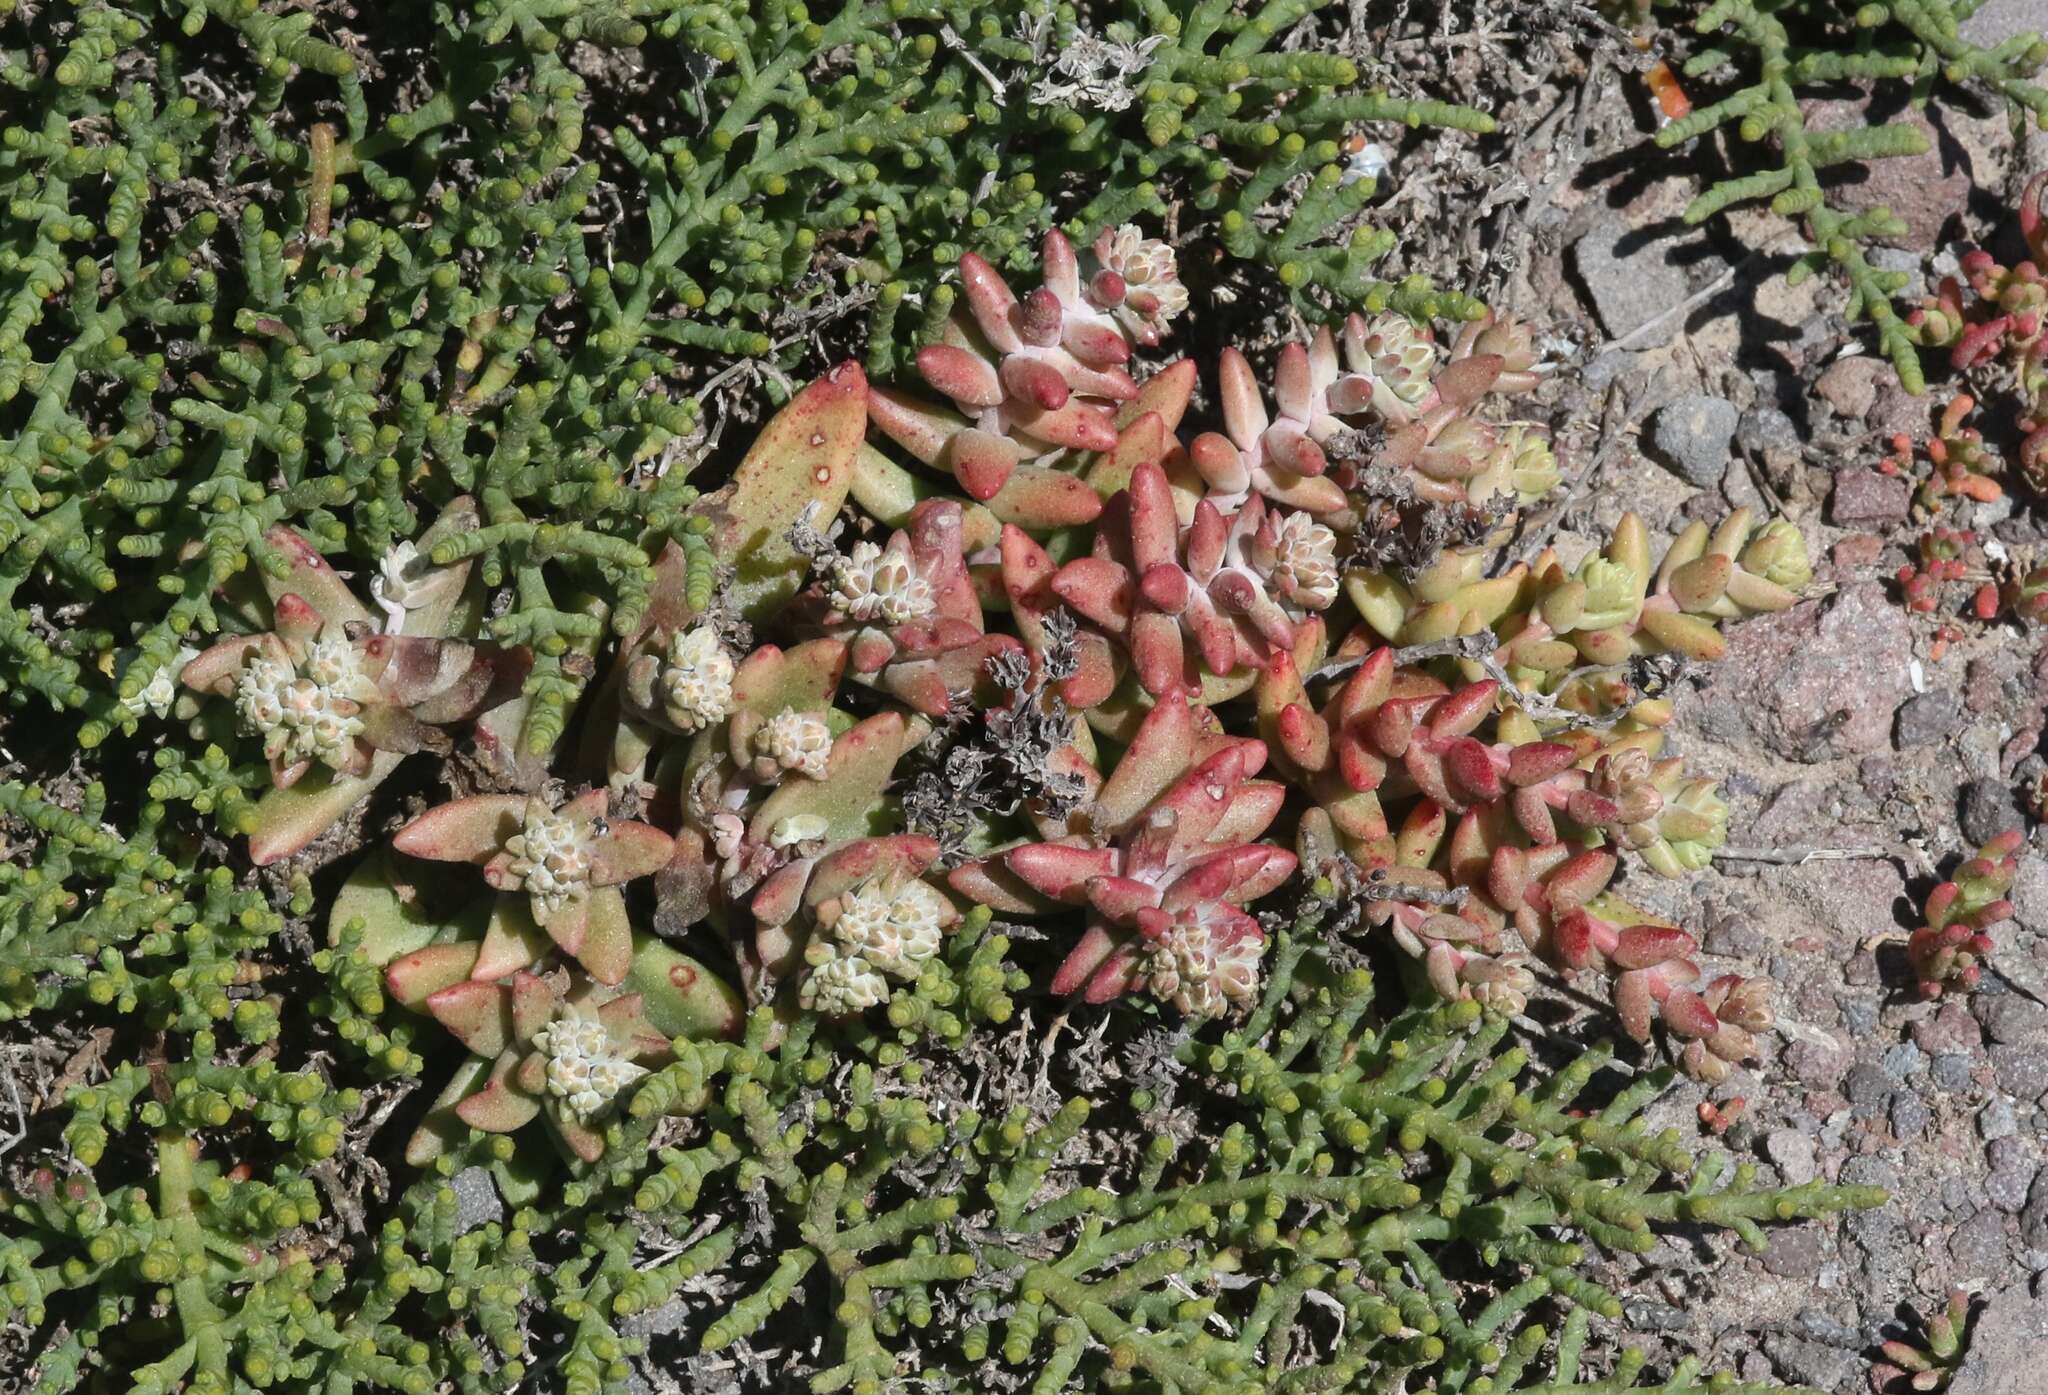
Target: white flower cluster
(894, 932)
(1306, 560)
(696, 679)
(585, 1071)
(1398, 358)
(840, 985)
(876, 584)
(551, 856)
(881, 933)
(1188, 969)
(797, 741)
(311, 713)
(1153, 293)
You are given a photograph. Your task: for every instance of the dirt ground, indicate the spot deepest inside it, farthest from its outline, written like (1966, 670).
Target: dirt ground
(1859, 767)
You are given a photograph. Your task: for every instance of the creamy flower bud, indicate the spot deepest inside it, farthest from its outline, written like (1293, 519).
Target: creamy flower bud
(839, 985)
(797, 741)
(871, 583)
(695, 682)
(585, 1070)
(551, 856)
(894, 931)
(1152, 291)
(1187, 968)
(1305, 561)
(797, 828)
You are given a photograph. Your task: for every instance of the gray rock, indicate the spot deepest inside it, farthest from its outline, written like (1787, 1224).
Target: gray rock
(1866, 499)
(1691, 437)
(1821, 1327)
(1979, 1246)
(1816, 1066)
(2023, 1070)
(2009, 1017)
(1988, 809)
(1633, 278)
(1951, 1070)
(1995, 23)
(2012, 1173)
(1929, 718)
(2030, 892)
(1812, 683)
(1869, 1091)
(2034, 1220)
(476, 1199)
(1763, 429)
(1960, 1199)
(2006, 1343)
(1791, 1152)
(1850, 384)
(1995, 1120)
(1809, 1363)
(1903, 1060)
(1909, 1117)
(1794, 1254)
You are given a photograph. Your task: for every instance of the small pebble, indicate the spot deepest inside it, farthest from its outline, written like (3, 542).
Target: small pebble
(1903, 1060)
(1996, 1120)
(1909, 1116)
(1791, 1152)
(1691, 436)
(1869, 1091)
(1951, 1070)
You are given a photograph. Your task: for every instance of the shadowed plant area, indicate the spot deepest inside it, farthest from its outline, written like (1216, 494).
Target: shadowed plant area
(755, 698)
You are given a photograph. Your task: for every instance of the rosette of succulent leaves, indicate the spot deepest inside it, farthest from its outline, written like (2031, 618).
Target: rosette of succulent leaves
(1013, 638)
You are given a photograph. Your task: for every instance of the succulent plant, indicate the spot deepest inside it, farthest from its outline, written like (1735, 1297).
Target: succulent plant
(831, 908)
(567, 862)
(1925, 1366)
(1034, 377)
(1164, 857)
(337, 702)
(1948, 952)
(908, 614)
(1208, 601)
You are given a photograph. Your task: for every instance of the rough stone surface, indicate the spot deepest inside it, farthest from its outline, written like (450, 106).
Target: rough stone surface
(1979, 1245)
(2012, 1172)
(1633, 276)
(1864, 498)
(1951, 1071)
(1850, 385)
(1791, 1152)
(1988, 809)
(2034, 1220)
(2006, 1345)
(2030, 893)
(1794, 1254)
(476, 1199)
(1928, 718)
(1995, 23)
(2010, 1017)
(2022, 1069)
(1691, 436)
(1815, 682)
